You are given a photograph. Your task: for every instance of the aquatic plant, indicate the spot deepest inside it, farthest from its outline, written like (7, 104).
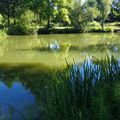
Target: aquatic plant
(87, 92)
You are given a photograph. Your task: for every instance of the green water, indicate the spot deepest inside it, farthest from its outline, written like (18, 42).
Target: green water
(26, 61)
(26, 49)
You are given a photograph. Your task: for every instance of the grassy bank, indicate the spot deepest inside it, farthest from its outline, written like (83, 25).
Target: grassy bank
(87, 92)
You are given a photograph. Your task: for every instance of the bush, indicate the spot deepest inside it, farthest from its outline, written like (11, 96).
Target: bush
(2, 33)
(1, 26)
(109, 29)
(100, 30)
(94, 24)
(1, 22)
(17, 30)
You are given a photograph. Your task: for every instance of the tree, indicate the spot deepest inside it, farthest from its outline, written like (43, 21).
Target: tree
(81, 14)
(76, 14)
(63, 11)
(92, 9)
(104, 7)
(5, 9)
(54, 8)
(12, 8)
(115, 11)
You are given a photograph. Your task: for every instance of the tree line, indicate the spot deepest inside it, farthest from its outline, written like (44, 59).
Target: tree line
(75, 13)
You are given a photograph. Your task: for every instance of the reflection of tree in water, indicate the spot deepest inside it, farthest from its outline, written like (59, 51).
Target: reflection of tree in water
(101, 48)
(31, 77)
(34, 79)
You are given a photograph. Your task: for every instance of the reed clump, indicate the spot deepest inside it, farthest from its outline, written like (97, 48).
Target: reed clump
(87, 92)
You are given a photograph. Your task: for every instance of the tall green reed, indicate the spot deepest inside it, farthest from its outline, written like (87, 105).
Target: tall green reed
(87, 92)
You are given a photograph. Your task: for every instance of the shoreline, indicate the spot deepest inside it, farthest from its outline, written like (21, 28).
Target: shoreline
(44, 31)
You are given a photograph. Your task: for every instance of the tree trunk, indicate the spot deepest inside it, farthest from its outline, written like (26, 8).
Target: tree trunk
(14, 14)
(14, 20)
(40, 19)
(102, 24)
(49, 14)
(48, 25)
(8, 20)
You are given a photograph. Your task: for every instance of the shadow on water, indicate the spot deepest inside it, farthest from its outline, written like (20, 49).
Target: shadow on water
(36, 81)
(22, 85)
(86, 92)
(20, 90)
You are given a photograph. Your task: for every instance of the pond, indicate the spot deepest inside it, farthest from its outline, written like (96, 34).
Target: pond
(26, 61)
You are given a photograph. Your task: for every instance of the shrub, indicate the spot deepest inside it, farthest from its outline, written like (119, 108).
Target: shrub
(94, 24)
(2, 33)
(58, 31)
(97, 29)
(109, 29)
(17, 30)
(1, 26)
(1, 22)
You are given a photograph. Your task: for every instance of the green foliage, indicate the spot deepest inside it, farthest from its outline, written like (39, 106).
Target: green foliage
(50, 13)
(63, 16)
(89, 92)
(12, 8)
(2, 33)
(92, 8)
(93, 13)
(104, 8)
(17, 30)
(78, 15)
(100, 30)
(1, 20)
(94, 24)
(27, 20)
(115, 11)
(96, 27)
(81, 14)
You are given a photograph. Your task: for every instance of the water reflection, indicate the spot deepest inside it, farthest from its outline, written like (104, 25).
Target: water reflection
(35, 49)
(16, 96)
(20, 86)
(23, 85)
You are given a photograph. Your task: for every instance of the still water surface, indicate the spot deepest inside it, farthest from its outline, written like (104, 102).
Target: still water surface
(26, 60)
(33, 49)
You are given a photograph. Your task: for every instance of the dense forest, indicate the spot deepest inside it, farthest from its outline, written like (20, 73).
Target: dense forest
(29, 15)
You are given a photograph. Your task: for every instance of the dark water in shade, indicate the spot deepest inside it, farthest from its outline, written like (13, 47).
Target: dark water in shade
(15, 96)
(21, 82)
